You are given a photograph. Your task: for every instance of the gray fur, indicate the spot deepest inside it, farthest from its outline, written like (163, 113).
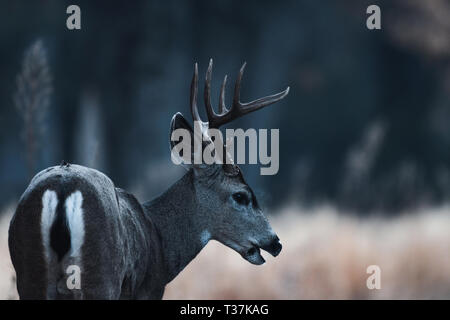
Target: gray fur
(131, 251)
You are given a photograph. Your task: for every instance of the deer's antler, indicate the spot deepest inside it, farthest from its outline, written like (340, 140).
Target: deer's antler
(237, 109)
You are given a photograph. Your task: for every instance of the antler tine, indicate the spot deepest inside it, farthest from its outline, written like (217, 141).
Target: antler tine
(244, 108)
(237, 90)
(207, 94)
(222, 107)
(262, 102)
(194, 90)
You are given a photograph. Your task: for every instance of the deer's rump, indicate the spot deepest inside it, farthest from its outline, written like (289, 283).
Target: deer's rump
(68, 220)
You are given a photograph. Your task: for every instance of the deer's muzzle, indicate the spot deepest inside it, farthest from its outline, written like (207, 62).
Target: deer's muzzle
(273, 247)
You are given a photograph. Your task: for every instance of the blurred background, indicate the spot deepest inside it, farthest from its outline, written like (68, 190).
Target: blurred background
(364, 133)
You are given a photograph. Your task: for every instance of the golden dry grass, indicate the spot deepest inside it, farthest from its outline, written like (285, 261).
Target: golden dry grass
(325, 256)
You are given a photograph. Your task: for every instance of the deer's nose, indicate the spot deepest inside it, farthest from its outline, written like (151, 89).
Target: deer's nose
(273, 246)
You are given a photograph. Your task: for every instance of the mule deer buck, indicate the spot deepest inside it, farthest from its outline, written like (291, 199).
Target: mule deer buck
(71, 215)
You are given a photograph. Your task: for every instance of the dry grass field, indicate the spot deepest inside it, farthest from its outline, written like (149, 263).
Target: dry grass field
(325, 256)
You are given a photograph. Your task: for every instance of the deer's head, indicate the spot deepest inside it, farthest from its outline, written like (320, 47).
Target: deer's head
(228, 206)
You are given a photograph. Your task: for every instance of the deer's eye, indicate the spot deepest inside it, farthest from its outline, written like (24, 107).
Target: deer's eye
(241, 198)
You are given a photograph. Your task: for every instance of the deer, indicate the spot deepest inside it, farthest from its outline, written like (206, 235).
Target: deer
(71, 215)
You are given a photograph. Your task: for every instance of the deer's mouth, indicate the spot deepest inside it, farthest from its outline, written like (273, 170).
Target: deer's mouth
(253, 255)
(251, 251)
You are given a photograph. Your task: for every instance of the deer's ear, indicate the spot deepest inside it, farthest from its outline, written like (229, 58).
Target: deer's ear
(179, 122)
(182, 146)
(181, 141)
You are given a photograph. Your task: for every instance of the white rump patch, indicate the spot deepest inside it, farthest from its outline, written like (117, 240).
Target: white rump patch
(75, 221)
(205, 236)
(49, 203)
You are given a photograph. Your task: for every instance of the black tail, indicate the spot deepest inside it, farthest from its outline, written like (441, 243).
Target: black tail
(60, 233)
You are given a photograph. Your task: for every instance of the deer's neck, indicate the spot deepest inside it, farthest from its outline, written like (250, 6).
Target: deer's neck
(182, 231)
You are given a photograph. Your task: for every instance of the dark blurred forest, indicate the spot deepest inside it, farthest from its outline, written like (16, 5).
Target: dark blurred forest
(365, 126)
